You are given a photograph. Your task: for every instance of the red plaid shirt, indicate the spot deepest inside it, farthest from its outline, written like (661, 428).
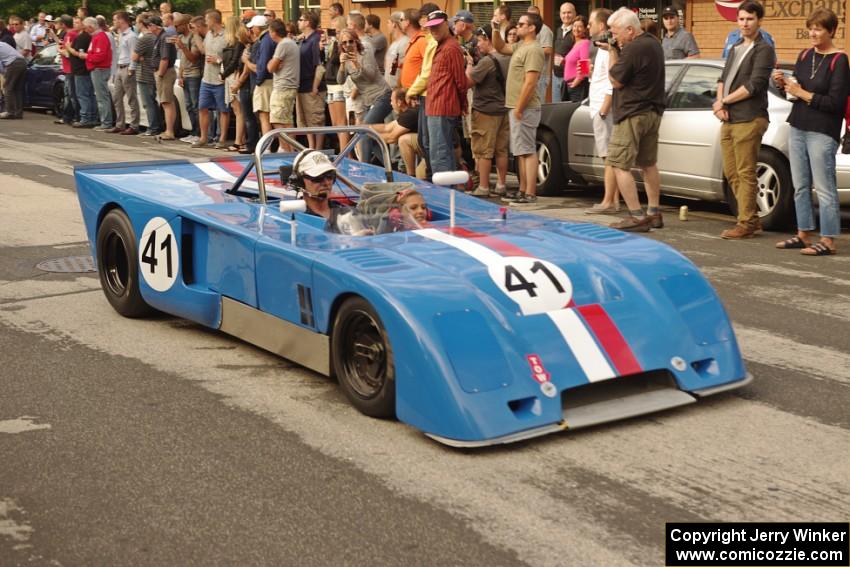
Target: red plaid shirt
(447, 82)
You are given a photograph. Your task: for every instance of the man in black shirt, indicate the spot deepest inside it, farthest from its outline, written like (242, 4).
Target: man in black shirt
(82, 79)
(637, 75)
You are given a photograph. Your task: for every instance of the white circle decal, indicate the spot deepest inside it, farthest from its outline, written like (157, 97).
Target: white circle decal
(537, 286)
(159, 258)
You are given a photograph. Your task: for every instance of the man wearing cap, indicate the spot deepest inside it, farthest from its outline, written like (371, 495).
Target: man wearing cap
(99, 63)
(523, 100)
(164, 57)
(211, 92)
(562, 45)
(446, 100)
(315, 176)
(490, 130)
(312, 89)
(395, 53)
(676, 42)
(124, 84)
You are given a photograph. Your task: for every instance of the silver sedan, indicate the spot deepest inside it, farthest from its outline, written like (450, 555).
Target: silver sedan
(689, 156)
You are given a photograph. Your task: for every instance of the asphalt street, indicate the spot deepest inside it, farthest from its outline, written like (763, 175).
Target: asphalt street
(159, 442)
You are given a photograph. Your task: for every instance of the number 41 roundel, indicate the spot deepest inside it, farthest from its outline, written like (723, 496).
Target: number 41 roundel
(537, 286)
(159, 259)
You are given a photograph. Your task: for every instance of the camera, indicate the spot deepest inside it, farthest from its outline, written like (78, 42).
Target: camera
(471, 51)
(609, 38)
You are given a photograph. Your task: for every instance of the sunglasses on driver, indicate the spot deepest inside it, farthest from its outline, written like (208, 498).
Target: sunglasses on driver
(330, 175)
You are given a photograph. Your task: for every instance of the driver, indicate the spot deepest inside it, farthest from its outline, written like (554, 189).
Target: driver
(315, 176)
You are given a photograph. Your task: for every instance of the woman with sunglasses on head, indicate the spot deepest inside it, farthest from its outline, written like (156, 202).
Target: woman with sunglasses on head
(358, 62)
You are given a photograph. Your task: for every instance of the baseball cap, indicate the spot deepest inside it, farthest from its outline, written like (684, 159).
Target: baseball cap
(669, 11)
(486, 30)
(153, 21)
(464, 16)
(257, 21)
(314, 164)
(48, 18)
(436, 18)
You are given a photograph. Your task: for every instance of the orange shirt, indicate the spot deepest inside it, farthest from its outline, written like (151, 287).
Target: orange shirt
(413, 58)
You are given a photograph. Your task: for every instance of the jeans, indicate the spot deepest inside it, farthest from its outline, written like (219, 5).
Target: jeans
(246, 100)
(542, 83)
(441, 131)
(813, 159)
(100, 82)
(375, 114)
(85, 96)
(148, 91)
(422, 136)
(71, 106)
(740, 143)
(557, 85)
(191, 92)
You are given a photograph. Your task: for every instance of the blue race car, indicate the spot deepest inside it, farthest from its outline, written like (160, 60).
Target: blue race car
(476, 327)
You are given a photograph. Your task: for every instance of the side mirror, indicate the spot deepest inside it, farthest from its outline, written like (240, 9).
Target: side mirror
(450, 178)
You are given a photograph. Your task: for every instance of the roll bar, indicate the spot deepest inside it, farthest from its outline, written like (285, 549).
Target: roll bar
(288, 136)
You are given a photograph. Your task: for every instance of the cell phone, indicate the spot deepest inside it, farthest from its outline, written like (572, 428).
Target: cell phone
(331, 32)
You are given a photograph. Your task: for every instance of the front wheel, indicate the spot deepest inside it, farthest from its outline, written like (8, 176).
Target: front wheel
(363, 359)
(774, 191)
(118, 267)
(550, 177)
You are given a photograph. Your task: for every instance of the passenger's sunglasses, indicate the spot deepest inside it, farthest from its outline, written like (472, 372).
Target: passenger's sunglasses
(331, 175)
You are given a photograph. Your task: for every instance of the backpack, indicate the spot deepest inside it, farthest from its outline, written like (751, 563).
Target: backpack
(831, 63)
(499, 76)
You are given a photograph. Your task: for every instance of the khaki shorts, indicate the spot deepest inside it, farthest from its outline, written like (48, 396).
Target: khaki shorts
(311, 109)
(491, 134)
(634, 141)
(263, 96)
(602, 133)
(165, 86)
(283, 106)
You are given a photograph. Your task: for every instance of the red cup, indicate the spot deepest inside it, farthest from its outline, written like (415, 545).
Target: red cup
(584, 67)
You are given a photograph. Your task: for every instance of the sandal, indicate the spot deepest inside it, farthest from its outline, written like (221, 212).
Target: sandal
(818, 249)
(232, 148)
(244, 150)
(793, 242)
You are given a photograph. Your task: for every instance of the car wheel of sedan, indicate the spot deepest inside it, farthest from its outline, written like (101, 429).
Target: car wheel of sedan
(363, 359)
(549, 171)
(117, 265)
(774, 191)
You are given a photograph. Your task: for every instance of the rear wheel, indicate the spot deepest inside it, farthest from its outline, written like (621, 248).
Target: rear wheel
(363, 359)
(774, 191)
(117, 265)
(550, 177)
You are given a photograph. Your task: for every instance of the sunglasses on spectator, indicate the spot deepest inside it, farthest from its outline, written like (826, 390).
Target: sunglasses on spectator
(268, 15)
(349, 42)
(331, 175)
(521, 24)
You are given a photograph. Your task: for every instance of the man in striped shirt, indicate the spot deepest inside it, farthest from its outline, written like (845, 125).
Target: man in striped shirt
(446, 100)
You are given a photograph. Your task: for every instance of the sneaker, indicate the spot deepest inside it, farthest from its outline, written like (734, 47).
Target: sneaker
(147, 133)
(633, 224)
(656, 220)
(600, 209)
(480, 192)
(189, 139)
(499, 191)
(5, 116)
(738, 232)
(525, 199)
(511, 197)
(102, 128)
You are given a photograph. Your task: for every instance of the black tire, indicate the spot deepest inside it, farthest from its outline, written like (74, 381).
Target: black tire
(363, 359)
(774, 192)
(550, 176)
(117, 265)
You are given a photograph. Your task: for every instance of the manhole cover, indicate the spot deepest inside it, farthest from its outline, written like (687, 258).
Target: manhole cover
(69, 264)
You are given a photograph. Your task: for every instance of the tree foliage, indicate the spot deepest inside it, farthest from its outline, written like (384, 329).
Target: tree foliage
(30, 9)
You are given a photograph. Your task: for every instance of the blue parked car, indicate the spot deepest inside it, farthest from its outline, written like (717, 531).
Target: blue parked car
(45, 82)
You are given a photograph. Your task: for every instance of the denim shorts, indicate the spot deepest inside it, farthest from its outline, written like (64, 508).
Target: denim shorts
(211, 97)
